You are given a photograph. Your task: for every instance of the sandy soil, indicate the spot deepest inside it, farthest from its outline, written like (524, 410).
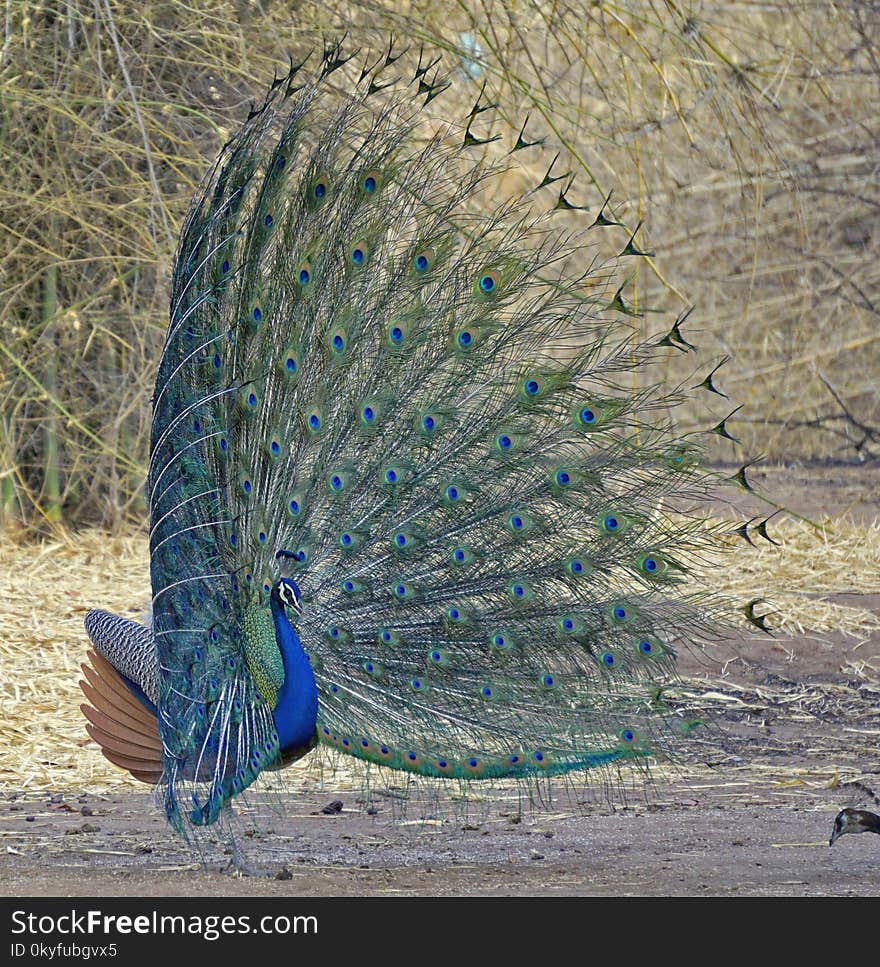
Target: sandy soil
(748, 813)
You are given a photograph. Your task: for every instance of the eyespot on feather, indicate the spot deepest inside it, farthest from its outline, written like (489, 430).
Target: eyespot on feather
(370, 183)
(487, 283)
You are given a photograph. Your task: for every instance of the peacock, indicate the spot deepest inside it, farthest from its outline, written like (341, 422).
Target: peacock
(413, 493)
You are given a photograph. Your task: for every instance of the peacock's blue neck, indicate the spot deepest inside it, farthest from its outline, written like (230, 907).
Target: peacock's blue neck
(296, 711)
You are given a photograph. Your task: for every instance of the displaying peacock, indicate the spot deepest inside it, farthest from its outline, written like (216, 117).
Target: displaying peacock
(413, 494)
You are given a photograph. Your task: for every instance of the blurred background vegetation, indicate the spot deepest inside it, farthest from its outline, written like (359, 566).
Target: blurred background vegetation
(743, 136)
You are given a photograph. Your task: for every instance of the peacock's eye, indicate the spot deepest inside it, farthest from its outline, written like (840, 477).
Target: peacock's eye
(423, 261)
(488, 282)
(371, 181)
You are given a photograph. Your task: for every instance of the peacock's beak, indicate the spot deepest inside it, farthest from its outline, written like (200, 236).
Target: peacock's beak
(838, 830)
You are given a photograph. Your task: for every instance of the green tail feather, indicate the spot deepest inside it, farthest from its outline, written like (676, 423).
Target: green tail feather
(436, 426)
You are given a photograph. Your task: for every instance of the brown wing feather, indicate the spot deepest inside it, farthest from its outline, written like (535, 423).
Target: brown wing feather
(123, 716)
(137, 738)
(105, 679)
(126, 731)
(139, 768)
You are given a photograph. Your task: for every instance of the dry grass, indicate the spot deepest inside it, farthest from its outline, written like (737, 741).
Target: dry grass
(46, 588)
(811, 566)
(741, 136)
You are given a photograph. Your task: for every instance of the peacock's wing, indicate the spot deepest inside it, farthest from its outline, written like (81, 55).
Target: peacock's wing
(129, 648)
(124, 728)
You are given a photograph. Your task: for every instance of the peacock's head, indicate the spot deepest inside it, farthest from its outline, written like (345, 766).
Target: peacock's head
(286, 592)
(854, 821)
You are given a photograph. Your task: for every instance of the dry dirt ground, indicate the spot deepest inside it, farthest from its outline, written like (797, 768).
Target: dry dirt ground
(796, 737)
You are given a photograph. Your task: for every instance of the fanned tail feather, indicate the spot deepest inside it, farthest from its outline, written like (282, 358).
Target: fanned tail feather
(426, 415)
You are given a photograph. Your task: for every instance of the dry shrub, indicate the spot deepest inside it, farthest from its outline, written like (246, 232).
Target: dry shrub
(737, 140)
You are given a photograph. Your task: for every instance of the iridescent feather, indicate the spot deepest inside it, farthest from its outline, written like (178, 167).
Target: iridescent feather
(413, 409)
